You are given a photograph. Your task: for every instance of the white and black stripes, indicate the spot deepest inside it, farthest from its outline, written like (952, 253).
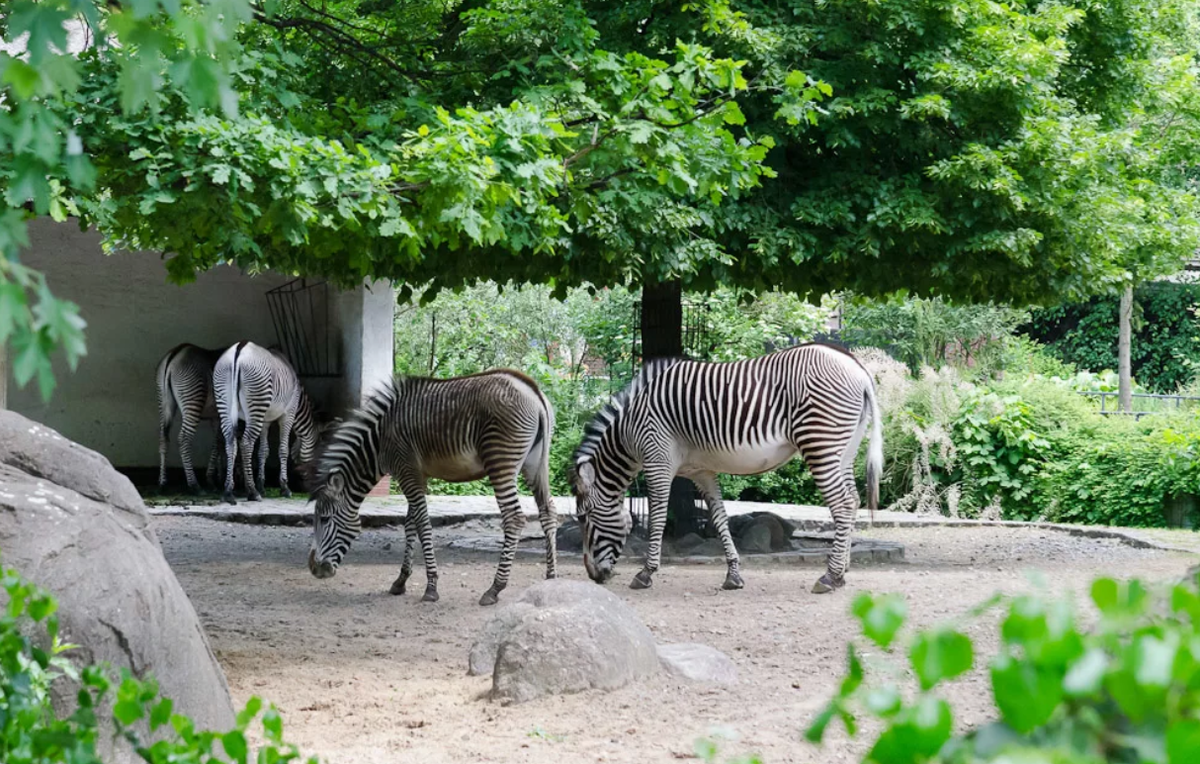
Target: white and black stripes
(256, 386)
(184, 381)
(495, 424)
(698, 419)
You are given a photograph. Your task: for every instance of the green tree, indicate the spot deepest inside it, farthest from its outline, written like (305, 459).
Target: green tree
(1016, 152)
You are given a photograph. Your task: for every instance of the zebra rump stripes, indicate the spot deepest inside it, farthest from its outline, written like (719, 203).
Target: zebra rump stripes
(746, 417)
(184, 379)
(258, 387)
(496, 423)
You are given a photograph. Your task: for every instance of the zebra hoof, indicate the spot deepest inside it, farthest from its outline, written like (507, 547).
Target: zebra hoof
(194, 490)
(733, 580)
(254, 497)
(826, 584)
(431, 595)
(397, 586)
(641, 581)
(227, 497)
(490, 597)
(285, 492)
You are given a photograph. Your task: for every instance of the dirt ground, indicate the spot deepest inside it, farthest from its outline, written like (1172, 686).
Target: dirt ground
(363, 677)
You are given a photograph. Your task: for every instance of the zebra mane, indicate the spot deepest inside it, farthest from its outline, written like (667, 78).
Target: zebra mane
(354, 434)
(606, 416)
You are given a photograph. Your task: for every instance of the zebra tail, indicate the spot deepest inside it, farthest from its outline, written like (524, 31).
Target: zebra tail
(166, 398)
(231, 392)
(874, 454)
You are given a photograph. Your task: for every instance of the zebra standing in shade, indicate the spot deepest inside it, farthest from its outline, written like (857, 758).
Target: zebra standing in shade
(184, 379)
(496, 423)
(746, 417)
(259, 387)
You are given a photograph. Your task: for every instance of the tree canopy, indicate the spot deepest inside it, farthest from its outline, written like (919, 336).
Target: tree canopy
(1019, 152)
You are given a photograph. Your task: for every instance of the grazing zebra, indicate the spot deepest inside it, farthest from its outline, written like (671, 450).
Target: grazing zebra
(258, 387)
(184, 379)
(746, 417)
(496, 423)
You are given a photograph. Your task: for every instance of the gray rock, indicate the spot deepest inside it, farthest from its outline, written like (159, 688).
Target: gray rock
(570, 536)
(687, 543)
(75, 526)
(756, 539)
(699, 663)
(562, 637)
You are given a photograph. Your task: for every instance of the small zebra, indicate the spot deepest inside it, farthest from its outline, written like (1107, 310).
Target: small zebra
(258, 387)
(696, 419)
(184, 379)
(496, 423)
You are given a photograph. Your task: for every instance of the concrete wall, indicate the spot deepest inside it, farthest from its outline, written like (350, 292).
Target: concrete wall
(135, 316)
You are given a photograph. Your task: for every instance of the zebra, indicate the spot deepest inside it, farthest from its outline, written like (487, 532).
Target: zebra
(694, 419)
(257, 386)
(495, 423)
(184, 379)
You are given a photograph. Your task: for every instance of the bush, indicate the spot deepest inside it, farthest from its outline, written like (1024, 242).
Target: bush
(1127, 690)
(31, 731)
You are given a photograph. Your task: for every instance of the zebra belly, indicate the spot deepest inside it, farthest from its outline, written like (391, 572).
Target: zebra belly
(749, 460)
(458, 469)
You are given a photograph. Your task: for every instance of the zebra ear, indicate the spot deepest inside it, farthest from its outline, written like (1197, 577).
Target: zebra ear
(585, 476)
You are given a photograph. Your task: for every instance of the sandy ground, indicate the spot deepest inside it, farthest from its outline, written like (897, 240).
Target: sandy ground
(363, 677)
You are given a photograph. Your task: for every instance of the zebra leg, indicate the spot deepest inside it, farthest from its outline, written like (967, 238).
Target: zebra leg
(659, 484)
(260, 459)
(249, 439)
(512, 519)
(710, 489)
(214, 455)
(164, 432)
(285, 432)
(231, 450)
(539, 478)
(418, 516)
(410, 540)
(837, 488)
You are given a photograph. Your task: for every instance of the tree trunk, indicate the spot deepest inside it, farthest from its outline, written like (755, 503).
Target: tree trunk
(1125, 351)
(662, 337)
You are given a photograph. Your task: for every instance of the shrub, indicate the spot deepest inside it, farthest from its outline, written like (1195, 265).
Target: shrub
(31, 731)
(1127, 690)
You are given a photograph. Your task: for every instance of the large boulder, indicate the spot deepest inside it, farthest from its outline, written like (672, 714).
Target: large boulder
(72, 524)
(562, 637)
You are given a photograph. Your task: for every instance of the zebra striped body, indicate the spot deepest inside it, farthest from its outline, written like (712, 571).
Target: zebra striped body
(495, 424)
(698, 419)
(184, 380)
(258, 387)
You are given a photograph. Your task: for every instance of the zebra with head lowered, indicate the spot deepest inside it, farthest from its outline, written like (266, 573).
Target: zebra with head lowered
(497, 423)
(184, 379)
(697, 419)
(259, 387)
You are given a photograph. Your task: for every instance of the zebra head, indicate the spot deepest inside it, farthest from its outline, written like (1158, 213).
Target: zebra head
(336, 523)
(602, 520)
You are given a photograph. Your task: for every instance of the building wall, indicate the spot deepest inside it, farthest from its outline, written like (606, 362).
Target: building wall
(135, 316)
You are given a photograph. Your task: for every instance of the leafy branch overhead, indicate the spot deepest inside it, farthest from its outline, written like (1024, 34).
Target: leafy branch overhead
(1015, 152)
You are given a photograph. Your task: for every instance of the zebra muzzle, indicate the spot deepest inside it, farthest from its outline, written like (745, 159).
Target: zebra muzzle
(320, 569)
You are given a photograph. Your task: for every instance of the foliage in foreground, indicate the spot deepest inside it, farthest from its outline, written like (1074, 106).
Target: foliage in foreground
(31, 732)
(1126, 691)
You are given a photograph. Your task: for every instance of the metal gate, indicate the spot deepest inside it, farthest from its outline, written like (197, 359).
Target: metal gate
(301, 313)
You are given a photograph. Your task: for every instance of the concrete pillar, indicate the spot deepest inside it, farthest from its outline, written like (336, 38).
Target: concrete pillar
(368, 315)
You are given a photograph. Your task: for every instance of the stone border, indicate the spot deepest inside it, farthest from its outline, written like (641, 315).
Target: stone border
(373, 518)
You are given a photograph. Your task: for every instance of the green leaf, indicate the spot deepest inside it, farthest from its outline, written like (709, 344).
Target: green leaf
(1026, 695)
(880, 617)
(1104, 594)
(1183, 742)
(273, 725)
(234, 743)
(247, 714)
(1086, 676)
(160, 714)
(939, 655)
